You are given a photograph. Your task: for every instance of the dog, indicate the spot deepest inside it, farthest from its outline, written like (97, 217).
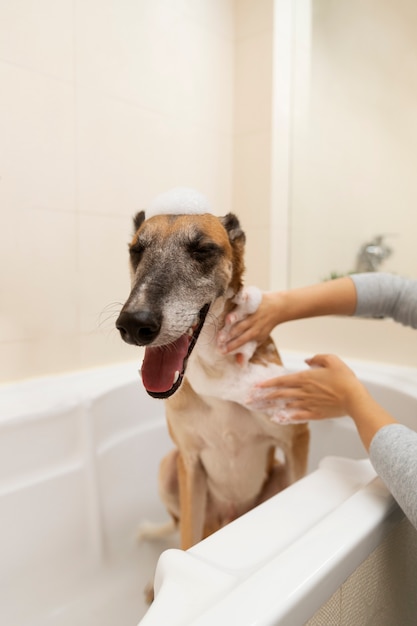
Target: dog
(186, 272)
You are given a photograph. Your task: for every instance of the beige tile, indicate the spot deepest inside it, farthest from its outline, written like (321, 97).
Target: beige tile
(128, 155)
(42, 356)
(37, 141)
(279, 248)
(39, 281)
(215, 16)
(257, 257)
(117, 154)
(49, 355)
(314, 256)
(371, 340)
(156, 59)
(253, 17)
(253, 83)
(104, 281)
(38, 35)
(354, 162)
(252, 177)
(126, 57)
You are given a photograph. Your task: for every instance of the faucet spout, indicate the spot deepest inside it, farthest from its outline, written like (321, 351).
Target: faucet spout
(372, 254)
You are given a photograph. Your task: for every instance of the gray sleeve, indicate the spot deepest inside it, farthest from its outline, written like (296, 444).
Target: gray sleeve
(386, 295)
(393, 453)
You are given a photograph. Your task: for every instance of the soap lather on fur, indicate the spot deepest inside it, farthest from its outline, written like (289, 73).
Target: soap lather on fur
(239, 385)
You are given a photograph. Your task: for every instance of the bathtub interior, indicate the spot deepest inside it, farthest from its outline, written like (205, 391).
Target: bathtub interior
(79, 457)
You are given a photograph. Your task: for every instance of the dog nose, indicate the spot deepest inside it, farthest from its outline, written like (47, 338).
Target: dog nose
(138, 327)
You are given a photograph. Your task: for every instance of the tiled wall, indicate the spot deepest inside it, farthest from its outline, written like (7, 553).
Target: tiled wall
(252, 126)
(353, 164)
(104, 104)
(354, 153)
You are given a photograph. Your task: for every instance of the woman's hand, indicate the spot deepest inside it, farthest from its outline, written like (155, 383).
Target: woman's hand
(333, 297)
(325, 390)
(328, 389)
(255, 327)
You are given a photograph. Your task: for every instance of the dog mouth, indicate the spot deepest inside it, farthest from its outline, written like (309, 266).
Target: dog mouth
(163, 367)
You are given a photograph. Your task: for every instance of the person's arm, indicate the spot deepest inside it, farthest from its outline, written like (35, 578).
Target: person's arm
(393, 453)
(328, 389)
(335, 297)
(386, 295)
(331, 389)
(374, 294)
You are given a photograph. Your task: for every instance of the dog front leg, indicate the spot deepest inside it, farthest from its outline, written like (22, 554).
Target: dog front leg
(297, 454)
(193, 500)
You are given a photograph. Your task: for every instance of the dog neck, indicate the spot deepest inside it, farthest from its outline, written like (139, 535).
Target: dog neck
(206, 361)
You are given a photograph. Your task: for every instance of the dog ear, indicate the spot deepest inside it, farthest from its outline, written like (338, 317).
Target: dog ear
(232, 225)
(237, 240)
(138, 220)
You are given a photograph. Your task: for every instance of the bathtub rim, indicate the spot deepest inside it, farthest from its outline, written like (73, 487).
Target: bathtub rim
(44, 396)
(59, 392)
(236, 593)
(84, 386)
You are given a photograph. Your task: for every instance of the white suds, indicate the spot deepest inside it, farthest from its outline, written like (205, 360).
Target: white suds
(179, 201)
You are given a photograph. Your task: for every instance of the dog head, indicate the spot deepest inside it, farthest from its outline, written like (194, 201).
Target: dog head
(180, 265)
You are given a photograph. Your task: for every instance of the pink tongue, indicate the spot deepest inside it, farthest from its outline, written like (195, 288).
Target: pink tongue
(160, 364)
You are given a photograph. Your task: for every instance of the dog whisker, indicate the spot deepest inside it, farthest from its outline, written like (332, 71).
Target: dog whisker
(211, 323)
(109, 313)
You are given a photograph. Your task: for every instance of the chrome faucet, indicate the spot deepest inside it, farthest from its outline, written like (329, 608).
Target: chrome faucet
(372, 254)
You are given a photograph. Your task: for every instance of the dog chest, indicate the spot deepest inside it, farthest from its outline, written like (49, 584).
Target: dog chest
(229, 443)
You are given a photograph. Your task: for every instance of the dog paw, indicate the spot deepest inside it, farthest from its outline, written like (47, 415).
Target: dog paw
(149, 531)
(149, 593)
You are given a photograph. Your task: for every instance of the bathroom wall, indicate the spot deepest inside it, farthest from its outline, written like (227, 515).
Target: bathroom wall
(104, 104)
(252, 155)
(322, 160)
(354, 151)
(353, 163)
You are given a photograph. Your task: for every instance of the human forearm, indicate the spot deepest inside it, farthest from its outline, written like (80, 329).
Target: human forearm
(336, 297)
(328, 389)
(368, 415)
(393, 453)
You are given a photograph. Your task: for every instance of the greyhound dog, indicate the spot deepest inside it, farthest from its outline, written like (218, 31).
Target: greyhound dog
(186, 270)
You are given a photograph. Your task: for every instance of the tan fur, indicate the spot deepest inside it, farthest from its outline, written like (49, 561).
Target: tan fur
(247, 440)
(224, 462)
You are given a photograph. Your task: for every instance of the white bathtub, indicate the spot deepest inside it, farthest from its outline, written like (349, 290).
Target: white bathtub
(78, 473)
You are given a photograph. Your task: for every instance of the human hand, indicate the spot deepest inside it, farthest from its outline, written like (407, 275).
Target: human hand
(256, 326)
(328, 389)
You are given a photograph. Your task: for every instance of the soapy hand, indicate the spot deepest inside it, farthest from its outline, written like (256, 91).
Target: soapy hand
(250, 374)
(247, 301)
(254, 324)
(277, 408)
(324, 390)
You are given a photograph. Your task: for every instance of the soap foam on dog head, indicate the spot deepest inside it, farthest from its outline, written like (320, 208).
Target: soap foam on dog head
(179, 201)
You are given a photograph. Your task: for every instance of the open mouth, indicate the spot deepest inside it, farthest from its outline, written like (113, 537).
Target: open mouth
(163, 367)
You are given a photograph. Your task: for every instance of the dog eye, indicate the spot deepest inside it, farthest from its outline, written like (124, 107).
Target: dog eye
(202, 252)
(136, 251)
